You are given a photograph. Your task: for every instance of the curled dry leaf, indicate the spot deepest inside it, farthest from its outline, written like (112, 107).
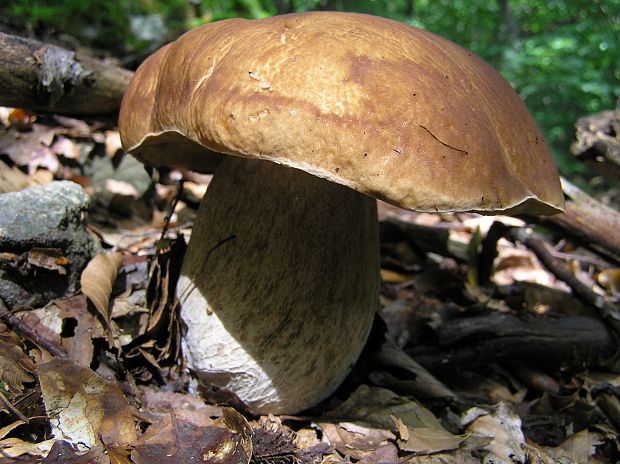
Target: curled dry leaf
(85, 409)
(97, 280)
(52, 259)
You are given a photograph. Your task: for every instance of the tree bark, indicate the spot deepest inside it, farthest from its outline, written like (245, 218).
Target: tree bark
(495, 337)
(588, 220)
(44, 77)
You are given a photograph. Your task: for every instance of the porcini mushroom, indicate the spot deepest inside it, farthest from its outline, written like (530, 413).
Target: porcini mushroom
(320, 113)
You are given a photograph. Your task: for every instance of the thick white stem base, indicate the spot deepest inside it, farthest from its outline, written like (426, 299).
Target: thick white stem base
(279, 285)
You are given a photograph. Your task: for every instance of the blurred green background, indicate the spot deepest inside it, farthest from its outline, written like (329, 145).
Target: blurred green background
(562, 56)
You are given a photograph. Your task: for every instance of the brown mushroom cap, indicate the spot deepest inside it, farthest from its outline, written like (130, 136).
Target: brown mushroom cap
(384, 108)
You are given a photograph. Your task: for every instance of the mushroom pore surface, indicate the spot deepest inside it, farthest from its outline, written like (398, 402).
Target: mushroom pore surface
(279, 285)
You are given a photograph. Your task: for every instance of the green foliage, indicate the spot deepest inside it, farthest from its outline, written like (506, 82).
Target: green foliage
(564, 63)
(560, 55)
(103, 23)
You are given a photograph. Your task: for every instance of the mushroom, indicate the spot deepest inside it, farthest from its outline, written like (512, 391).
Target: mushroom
(320, 113)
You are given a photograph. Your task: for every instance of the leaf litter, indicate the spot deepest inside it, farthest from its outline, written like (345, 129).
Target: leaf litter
(121, 394)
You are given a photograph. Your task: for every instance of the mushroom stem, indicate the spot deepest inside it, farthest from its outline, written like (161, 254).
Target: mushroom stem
(279, 285)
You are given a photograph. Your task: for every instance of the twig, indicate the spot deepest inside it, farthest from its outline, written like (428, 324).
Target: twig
(168, 218)
(607, 311)
(25, 330)
(16, 412)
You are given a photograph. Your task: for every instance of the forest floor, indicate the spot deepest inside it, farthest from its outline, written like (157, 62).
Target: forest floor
(495, 341)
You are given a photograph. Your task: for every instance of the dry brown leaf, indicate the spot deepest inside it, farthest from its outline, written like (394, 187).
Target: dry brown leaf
(63, 452)
(30, 149)
(69, 317)
(97, 280)
(610, 280)
(156, 400)
(80, 344)
(85, 408)
(190, 436)
(504, 426)
(15, 368)
(14, 447)
(112, 142)
(424, 440)
(366, 421)
(52, 259)
(237, 423)
(393, 277)
(119, 455)
(357, 440)
(4, 431)
(580, 447)
(375, 406)
(13, 180)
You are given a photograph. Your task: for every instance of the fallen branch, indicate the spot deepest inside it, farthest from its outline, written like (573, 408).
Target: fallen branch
(588, 220)
(535, 340)
(45, 77)
(26, 331)
(607, 311)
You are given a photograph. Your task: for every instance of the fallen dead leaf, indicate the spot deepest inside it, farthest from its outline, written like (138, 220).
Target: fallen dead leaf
(112, 142)
(366, 422)
(504, 426)
(14, 180)
(97, 280)
(376, 406)
(16, 368)
(4, 431)
(15, 447)
(357, 440)
(30, 149)
(85, 409)
(424, 440)
(271, 439)
(190, 436)
(610, 280)
(63, 452)
(580, 447)
(52, 259)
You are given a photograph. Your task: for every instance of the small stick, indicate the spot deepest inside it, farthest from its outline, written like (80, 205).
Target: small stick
(16, 412)
(25, 330)
(175, 201)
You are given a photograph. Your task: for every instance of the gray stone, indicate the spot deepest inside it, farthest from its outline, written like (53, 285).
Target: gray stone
(50, 217)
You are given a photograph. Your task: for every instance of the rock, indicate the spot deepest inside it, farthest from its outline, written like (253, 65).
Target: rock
(44, 244)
